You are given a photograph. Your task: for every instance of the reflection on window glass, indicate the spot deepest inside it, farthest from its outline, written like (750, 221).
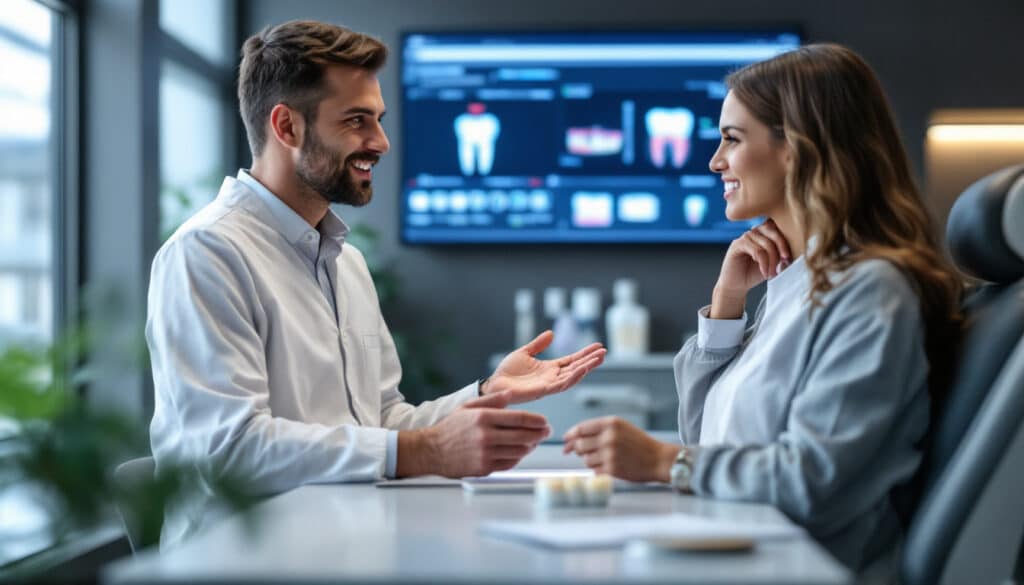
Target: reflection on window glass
(192, 144)
(26, 173)
(201, 25)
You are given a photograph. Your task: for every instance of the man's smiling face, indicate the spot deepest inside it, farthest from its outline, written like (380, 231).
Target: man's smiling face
(346, 139)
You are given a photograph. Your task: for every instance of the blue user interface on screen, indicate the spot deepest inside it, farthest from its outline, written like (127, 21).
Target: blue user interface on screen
(568, 137)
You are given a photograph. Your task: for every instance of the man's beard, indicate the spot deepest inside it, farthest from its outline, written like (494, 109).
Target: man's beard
(323, 171)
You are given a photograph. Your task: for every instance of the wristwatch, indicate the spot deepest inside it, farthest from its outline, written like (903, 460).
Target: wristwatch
(682, 470)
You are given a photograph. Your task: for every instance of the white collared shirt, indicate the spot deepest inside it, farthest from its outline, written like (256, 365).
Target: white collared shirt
(271, 360)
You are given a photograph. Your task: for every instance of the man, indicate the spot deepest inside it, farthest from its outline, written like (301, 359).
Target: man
(270, 357)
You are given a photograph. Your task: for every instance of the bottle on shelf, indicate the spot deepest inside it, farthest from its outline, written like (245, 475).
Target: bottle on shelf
(586, 310)
(562, 323)
(525, 327)
(626, 322)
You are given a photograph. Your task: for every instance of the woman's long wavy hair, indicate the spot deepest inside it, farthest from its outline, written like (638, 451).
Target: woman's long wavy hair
(850, 183)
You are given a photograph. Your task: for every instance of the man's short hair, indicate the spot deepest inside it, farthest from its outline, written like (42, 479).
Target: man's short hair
(286, 63)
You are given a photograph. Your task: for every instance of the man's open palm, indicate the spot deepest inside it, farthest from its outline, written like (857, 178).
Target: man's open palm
(527, 378)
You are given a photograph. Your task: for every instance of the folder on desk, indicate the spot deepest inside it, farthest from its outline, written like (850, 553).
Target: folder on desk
(615, 531)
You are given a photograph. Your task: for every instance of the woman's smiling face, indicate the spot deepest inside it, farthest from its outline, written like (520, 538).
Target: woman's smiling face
(752, 160)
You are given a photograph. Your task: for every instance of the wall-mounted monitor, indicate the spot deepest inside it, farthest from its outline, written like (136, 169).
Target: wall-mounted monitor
(568, 137)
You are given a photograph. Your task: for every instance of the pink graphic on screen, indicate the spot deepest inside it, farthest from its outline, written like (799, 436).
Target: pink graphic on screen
(669, 130)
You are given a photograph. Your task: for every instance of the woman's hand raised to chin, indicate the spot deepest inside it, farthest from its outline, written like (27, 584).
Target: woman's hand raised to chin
(751, 259)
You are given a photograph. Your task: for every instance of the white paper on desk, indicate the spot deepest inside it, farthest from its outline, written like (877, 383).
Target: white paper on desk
(614, 531)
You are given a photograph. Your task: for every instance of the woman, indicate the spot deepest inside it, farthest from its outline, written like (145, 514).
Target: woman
(816, 407)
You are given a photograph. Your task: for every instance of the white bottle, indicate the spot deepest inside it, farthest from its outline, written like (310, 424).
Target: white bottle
(626, 322)
(586, 310)
(562, 323)
(525, 329)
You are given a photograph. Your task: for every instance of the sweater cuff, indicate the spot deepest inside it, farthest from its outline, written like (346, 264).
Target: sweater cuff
(719, 333)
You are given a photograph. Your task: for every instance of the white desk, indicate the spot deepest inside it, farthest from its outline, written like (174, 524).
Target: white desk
(361, 533)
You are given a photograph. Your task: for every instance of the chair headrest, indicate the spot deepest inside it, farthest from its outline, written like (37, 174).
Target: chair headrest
(985, 231)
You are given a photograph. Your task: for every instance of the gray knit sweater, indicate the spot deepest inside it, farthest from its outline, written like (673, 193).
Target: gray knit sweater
(817, 413)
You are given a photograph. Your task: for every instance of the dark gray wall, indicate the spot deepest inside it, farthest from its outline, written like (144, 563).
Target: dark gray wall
(929, 55)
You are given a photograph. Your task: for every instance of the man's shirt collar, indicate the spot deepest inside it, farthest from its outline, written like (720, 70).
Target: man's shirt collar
(291, 225)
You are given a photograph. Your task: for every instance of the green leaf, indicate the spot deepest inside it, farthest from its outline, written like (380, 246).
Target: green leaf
(26, 388)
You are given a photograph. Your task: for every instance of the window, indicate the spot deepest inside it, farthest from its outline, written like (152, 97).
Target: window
(204, 26)
(197, 106)
(192, 144)
(37, 197)
(30, 179)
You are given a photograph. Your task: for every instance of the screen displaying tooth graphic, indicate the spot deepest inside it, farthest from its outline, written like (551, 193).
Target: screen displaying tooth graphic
(695, 207)
(669, 129)
(476, 132)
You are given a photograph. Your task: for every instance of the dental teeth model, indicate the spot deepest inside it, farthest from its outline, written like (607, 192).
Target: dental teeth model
(572, 491)
(669, 128)
(476, 132)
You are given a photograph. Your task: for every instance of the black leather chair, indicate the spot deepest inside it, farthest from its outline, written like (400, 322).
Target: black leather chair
(985, 408)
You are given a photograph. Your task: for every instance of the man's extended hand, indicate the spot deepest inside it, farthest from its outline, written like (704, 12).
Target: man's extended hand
(476, 439)
(526, 378)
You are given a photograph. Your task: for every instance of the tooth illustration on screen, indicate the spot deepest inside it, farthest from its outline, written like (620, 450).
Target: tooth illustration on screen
(459, 201)
(591, 209)
(476, 132)
(640, 207)
(439, 201)
(539, 201)
(593, 141)
(669, 128)
(694, 209)
(499, 201)
(419, 201)
(478, 200)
